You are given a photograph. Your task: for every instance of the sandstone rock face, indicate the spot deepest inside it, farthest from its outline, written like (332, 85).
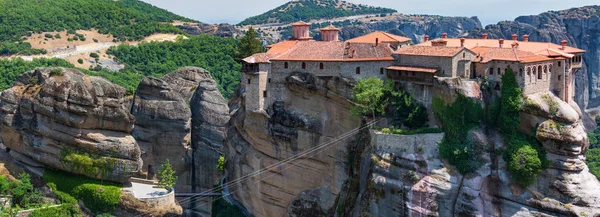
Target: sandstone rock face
(64, 119)
(163, 128)
(313, 112)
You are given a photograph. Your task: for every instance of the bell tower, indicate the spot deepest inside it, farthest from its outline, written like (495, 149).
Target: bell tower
(301, 31)
(330, 33)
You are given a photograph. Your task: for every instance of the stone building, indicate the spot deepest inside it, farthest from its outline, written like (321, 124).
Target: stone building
(538, 66)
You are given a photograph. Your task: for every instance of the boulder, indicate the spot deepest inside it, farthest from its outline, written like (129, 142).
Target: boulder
(66, 120)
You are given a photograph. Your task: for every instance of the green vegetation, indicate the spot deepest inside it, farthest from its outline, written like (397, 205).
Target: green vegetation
(369, 96)
(166, 176)
(56, 72)
(593, 154)
(11, 69)
(94, 55)
(221, 208)
(249, 45)
(525, 156)
(214, 54)
(91, 165)
(458, 119)
(80, 61)
(24, 195)
(221, 164)
(312, 9)
(408, 112)
(553, 105)
(99, 197)
(124, 19)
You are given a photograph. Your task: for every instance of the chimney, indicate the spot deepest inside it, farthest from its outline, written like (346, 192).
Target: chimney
(515, 44)
(462, 42)
(444, 35)
(426, 38)
(514, 37)
(330, 33)
(526, 38)
(501, 42)
(439, 43)
(353, 53)
(300, 31)
(484, 36)
(564, 44)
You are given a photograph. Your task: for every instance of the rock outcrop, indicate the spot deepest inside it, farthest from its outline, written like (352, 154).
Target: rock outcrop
(63, 119)
(222, 30)
(315, 111)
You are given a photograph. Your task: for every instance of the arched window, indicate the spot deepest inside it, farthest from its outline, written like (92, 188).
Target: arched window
(520, 72)
(550, 68)
(539, 72)
(528, 71)
(491, 71)
(358, 70)
(321, 66)
(464, 55)
(285, 65)
(381, 70)
(303, 65)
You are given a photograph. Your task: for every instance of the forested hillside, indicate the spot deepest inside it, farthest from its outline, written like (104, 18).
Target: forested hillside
(124, 19)
(313, 9)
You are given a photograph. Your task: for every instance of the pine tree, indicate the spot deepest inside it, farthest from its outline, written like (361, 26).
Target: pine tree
(166, 176)
(249, 44)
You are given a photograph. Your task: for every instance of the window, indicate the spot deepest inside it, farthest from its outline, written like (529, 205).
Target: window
(528, 71)
(539, 72)
(381, 71)
(491, 71)
(558, 63)
(499, 72)
(413, 74)
(559, 77)
(358, 70)
(285, 65)
(248, 80)
(269, 80)
(265, 93)
(303, 65)
(464, 55)
(521, 72)
(321, 66)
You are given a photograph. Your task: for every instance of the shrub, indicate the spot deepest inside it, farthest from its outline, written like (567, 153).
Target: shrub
(386, 131)
(57, 36)
(56, 72)
(94, 55)
(63, 210)
(80, 61)
(98, 198)
(95, 40)
(48, 35)
(166, 176)
(593, 161)
(221, 164)
(407, 111)
(525, 165)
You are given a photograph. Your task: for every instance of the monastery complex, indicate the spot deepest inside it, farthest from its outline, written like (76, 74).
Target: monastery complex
(538, 66)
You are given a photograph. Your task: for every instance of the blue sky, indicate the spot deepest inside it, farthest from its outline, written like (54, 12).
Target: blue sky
(488, 11)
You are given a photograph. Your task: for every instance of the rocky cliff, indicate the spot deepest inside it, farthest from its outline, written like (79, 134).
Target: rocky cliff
(63, 119)
(222, 30)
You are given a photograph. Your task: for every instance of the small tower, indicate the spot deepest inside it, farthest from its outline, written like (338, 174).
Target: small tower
(330, 33)
(300, 31)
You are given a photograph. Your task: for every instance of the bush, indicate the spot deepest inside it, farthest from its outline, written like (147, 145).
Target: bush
(80, 61)
(57, 36)
(407, 111)
(95, 40)
(166, 176)
(98, 198)
(386, 131)
(94, 55)
(56, 72)
(221, 164)
(63, 211)
(525, 165)
(48, 35)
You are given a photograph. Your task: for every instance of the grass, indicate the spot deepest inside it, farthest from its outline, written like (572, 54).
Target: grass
(99, 197)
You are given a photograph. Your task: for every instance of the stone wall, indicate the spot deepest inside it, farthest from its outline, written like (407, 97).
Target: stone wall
(403, 144)
(461, 64)
(255, 84)
(444, 63)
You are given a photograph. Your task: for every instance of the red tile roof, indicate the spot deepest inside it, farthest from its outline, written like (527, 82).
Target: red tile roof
(329, 51)
(413, 69)
(258, 58)
(330, 28)
(382, 36)
(429, 51)
(529, 46)
(300, 23)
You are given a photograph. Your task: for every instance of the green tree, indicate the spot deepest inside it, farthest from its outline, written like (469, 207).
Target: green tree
(525, 165)
(221, 164)
(511, 104)
(408, 111)
(80, 61)
(369, 96)
(249, 44)
(166, 176)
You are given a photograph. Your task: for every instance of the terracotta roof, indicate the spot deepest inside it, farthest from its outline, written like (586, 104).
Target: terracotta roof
(537, 58)
(258, 58)
(330, 28)
(413, 69)
(329, 51)
(383, 37)
(300, 23)
(529, 46)
(429, 51)
(486, 54)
